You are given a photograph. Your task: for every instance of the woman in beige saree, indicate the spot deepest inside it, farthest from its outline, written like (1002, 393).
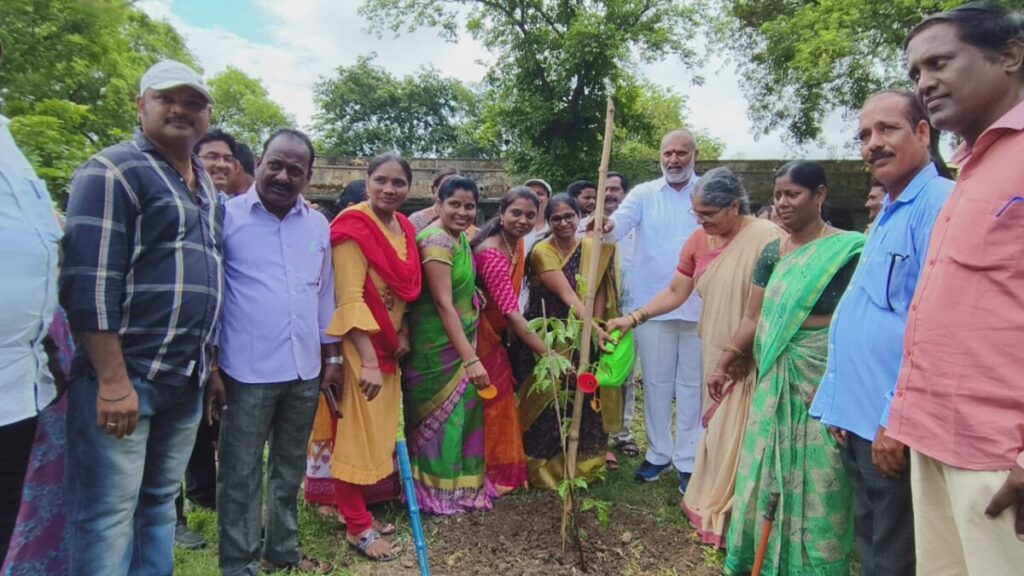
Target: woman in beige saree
(718, 261)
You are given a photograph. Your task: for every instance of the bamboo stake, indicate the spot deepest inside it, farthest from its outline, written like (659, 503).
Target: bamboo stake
(588, 304)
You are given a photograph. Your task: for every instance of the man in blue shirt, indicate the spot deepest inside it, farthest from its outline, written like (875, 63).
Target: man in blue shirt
(866, 338)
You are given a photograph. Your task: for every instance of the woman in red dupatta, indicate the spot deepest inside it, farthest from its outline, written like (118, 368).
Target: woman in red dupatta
(499, 256)
(378, 274)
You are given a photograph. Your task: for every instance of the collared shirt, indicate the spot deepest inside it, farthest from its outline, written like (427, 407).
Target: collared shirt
(960, 397)
(29, 239)
(865, 342)
(278, 292)
(661, 216)
(142, 256)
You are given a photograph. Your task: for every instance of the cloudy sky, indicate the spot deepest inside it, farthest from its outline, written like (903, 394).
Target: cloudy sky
(289, 45)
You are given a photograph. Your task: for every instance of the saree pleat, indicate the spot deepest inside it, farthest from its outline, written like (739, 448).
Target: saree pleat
(784, 450)
(724, 286)
(503, 435)
(444, 415)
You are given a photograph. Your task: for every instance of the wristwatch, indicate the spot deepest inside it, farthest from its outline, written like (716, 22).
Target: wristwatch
(333, 360)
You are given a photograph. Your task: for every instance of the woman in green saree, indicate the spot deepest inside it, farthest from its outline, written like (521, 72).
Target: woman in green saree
(797, 283)
(444, 415)
(554, 264)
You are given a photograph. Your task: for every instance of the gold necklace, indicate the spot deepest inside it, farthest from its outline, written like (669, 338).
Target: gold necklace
(512, 256)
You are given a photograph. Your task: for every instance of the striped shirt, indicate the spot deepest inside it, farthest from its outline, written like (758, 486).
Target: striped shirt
(143, 256)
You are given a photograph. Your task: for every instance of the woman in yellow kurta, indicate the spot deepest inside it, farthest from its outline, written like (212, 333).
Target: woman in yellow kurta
(378, 273)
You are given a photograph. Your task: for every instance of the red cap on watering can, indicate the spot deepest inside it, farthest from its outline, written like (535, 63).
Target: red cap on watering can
(587, 382)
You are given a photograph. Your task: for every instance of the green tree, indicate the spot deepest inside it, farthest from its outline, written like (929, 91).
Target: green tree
(554, 64)
(243, 108)
(364, 110)
(801, 59)
(653, 111)
(70, 74)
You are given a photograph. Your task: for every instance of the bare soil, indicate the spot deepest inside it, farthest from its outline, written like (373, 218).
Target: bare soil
(521, 537)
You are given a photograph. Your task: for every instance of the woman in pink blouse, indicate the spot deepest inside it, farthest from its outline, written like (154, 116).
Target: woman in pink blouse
(500, 262)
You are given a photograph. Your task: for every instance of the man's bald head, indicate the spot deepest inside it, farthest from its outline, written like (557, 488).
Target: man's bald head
(678, 154)
(679, 136)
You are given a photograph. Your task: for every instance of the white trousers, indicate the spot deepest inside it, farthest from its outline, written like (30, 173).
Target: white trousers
(669, 353)
(952, 535)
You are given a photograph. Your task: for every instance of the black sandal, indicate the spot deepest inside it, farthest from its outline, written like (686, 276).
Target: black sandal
(628, 447)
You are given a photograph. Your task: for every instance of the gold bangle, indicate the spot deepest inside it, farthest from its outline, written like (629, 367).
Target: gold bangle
(730, 348)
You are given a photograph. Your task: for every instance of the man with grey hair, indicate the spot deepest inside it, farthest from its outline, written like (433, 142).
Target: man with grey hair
(142, 285)
(668, 346)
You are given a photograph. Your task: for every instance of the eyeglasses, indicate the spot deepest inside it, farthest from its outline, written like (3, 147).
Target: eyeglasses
(893, 259)
(560, 219)
(701, 217)
(213, 157)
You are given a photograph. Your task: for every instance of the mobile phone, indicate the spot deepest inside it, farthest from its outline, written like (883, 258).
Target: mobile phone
(330, 395)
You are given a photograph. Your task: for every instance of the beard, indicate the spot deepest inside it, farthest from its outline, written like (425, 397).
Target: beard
(678, 177)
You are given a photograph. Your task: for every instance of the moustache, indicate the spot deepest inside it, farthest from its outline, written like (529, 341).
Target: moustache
(878, 156)
(180, 120)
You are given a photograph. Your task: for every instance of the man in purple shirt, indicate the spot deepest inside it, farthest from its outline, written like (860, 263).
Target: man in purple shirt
(278, 300)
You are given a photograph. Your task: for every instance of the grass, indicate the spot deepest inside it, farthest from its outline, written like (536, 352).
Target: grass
(324, 539)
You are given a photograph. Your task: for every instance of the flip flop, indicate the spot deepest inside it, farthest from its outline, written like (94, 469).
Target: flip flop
(367, 540)
(610, 461)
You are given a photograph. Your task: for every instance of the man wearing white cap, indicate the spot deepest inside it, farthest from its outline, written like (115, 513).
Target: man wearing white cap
(141, 284)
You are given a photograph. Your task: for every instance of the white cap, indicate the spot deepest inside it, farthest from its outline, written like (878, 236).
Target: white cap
(167, 74)
(539, 181)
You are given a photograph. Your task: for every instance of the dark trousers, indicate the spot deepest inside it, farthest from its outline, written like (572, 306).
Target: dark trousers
(281, 415)
(16, 441)
(201, 474)
(883, 514)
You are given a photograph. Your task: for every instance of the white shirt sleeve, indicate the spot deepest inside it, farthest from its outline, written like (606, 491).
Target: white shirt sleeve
(627, 215)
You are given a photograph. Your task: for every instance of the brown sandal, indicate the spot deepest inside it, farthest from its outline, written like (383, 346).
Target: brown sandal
(367, 540)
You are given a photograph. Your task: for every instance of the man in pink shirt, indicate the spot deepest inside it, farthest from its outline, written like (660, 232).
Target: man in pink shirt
(959, 402)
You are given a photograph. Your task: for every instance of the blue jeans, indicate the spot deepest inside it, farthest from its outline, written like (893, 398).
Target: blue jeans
(281, 414)
(120, 493)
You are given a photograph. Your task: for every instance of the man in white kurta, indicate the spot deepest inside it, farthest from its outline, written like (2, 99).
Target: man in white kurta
(668, 346)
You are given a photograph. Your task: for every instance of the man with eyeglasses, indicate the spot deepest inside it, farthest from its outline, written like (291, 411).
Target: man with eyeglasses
(218, 151)
(866, 339)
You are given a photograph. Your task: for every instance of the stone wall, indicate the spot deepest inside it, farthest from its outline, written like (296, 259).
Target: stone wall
(330, 175)
(848, 181)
